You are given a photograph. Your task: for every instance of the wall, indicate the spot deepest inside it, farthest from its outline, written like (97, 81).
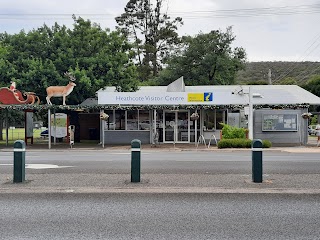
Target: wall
(281, 138)
(125, 137)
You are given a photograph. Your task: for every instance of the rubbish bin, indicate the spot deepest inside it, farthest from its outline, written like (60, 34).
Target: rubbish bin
(93, 134)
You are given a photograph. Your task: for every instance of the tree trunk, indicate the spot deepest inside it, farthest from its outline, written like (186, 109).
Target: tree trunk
(1, 128)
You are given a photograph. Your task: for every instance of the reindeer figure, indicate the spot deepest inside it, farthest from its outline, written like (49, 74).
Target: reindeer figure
(61, 91)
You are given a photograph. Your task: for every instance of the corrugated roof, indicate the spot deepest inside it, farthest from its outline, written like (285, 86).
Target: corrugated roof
(270, 94)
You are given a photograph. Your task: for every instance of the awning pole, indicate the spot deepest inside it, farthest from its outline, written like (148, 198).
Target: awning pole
(49, 128)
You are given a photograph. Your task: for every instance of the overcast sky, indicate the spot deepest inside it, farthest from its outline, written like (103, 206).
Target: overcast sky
(273, 30)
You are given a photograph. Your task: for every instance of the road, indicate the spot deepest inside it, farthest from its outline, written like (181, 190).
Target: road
(185, 162)
(183, 195)
(159, 216)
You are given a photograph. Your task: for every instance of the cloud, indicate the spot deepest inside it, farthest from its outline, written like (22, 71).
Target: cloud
(280, 34)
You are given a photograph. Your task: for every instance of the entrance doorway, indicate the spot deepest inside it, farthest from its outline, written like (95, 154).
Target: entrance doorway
(176, 126)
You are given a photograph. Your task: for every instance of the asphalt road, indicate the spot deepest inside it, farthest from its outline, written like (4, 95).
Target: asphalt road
(189, 162)
(159, 216)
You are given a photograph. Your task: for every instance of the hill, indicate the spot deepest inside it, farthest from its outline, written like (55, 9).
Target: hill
(258, 72)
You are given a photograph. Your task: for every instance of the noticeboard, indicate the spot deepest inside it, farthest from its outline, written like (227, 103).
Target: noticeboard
(280, 122)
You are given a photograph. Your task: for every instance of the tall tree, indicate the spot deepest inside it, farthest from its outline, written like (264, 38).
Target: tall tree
(153, 33)
(206, 59)
(97, 58)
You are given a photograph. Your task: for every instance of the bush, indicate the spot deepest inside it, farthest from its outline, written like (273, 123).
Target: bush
(266, 144)
(240, 143)
(229, 132)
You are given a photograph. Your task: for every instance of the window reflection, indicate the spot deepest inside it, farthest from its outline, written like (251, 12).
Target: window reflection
(132, 120)
(120, 120)
(144, 120)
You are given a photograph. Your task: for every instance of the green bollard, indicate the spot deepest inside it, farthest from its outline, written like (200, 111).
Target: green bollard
(19, 163)
(257, 161)
(135, 160)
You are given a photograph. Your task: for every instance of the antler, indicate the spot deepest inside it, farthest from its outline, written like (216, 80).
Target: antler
(71, 77)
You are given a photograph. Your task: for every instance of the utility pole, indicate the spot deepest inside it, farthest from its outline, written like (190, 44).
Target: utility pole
(269, 77)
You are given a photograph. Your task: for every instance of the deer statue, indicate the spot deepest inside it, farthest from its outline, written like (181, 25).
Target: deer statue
(61, 91)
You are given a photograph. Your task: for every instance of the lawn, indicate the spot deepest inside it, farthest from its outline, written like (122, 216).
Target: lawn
(18, 133)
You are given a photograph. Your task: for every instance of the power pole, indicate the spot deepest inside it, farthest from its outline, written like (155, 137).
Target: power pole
(269, 77)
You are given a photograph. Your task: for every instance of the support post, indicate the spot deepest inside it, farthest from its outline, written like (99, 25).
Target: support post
(7, 129)
(19, 153)
(49, 128)
(250, 115)
(135, 160)
(257, 161)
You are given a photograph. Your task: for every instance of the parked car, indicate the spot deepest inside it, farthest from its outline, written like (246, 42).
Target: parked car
(312, 130)
(44, 133)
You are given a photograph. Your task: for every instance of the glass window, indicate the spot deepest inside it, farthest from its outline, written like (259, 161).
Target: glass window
(213, 118)
(144, 120)
(209, 120)
(220, 118)
(110, 123)
(132, 120)
(120, 118)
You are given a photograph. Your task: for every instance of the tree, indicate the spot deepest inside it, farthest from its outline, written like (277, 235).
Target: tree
(97, 57)
(287, 81)
(152, 32)
(313, 86)
(206, 59)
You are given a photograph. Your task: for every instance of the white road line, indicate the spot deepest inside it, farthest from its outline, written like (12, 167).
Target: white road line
(40, 166)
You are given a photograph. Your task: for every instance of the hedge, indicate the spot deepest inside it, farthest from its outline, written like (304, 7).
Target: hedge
(240, 143)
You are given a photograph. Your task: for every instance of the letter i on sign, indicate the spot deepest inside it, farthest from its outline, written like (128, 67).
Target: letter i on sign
(208, 97)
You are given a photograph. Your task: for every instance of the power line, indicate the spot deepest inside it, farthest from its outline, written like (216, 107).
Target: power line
(306, 54)
(228, 13)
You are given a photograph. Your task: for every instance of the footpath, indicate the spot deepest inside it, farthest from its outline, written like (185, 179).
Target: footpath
(57, 181)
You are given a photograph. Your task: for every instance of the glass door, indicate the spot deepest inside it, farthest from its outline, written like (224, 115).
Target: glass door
(183, 128)
(176, 126)
(169, 126)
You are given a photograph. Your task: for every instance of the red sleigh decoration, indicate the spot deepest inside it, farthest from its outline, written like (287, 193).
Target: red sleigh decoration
(14, 96)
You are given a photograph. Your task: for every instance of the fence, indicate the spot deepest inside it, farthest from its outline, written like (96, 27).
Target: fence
(19, 133)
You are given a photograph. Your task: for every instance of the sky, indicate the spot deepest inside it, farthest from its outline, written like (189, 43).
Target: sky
(273, 30)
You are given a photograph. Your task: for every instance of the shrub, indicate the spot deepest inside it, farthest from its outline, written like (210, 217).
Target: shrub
(229, 132)
(266, 144)
(240, 143)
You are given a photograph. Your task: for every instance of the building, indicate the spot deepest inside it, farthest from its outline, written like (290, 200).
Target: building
(187, 114)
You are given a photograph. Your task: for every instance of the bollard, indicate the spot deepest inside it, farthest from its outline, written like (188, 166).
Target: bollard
(257, 161)
(19, 168)
(135, 160)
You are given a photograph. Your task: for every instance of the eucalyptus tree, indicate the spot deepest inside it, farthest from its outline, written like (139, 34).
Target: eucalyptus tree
(153, 33)
(206, 59)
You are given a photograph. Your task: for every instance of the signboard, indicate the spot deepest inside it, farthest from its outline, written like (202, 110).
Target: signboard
(155, 98)
(59, 125)
(29, 124)
(280, 122)
(200, 97)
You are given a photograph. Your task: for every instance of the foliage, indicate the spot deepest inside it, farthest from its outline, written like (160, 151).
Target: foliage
(206, 59)
(240, 143)
(313, 85)
(234, 143)
(230, 132)
(283, 73)
(266, 144)
(15, 118)
(288, 81)
(153, 34)
(39, 58)
(314, 120)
